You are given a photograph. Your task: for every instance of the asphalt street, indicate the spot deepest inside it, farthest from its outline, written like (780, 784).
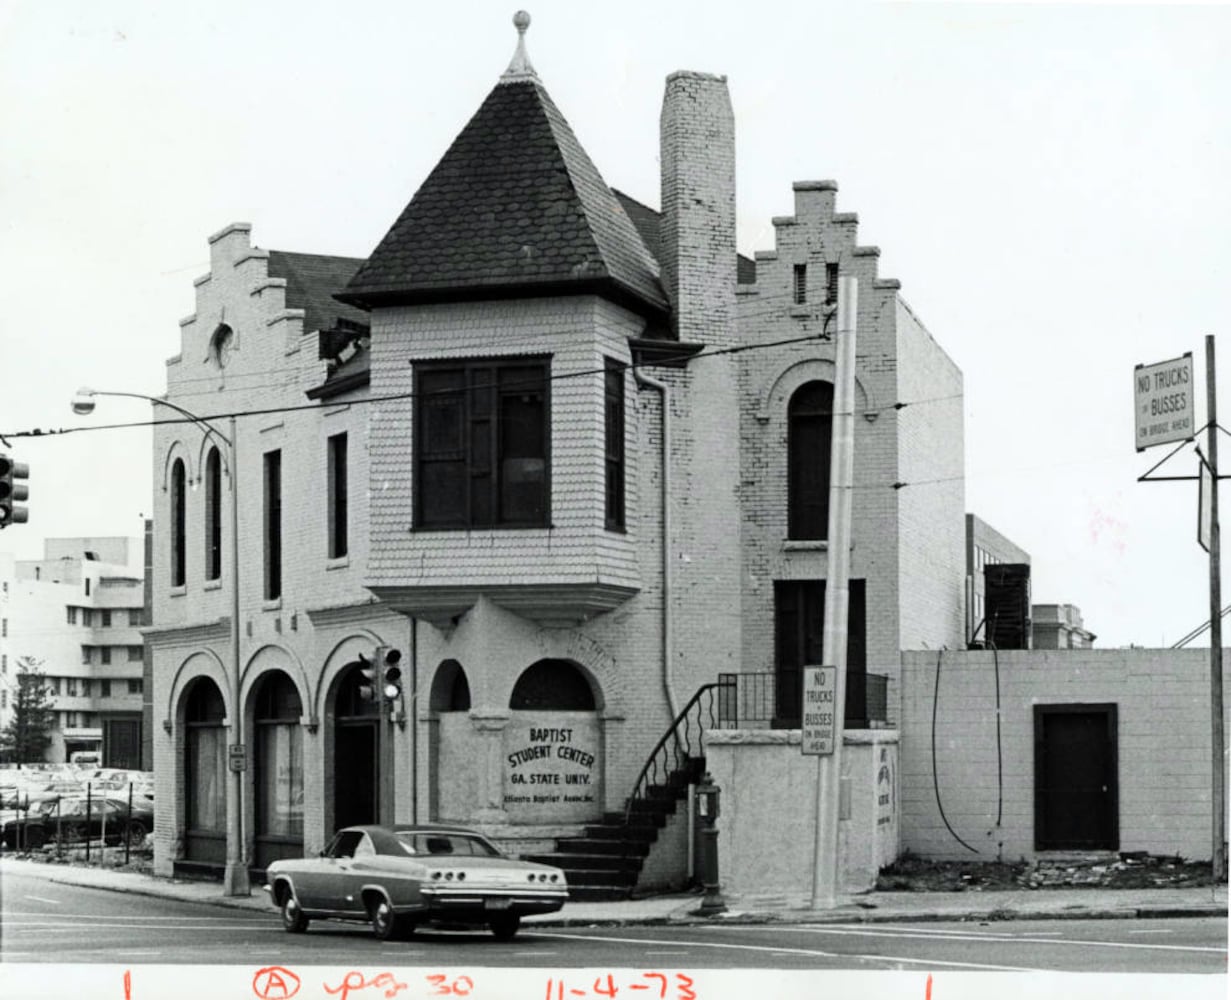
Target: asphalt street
(48, 922)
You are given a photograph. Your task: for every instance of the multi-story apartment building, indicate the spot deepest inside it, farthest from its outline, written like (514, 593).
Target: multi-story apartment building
(76, 615)
(567, 453)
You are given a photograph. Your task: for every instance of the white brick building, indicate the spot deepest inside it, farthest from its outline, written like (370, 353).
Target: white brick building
(517, 445)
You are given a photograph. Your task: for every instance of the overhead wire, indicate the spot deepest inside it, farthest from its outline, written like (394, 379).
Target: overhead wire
(402, 396)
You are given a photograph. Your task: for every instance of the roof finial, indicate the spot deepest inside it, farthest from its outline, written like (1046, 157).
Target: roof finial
(520, 68)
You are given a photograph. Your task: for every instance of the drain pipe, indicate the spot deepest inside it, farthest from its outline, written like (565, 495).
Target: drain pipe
(653, 383)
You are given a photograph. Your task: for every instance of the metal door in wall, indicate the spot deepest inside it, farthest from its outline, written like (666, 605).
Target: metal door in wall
(1076, 793)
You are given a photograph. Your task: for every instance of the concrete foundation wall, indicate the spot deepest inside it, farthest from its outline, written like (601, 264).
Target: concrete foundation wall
(767, 823)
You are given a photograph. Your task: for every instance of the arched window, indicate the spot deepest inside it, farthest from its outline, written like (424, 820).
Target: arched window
(279, 765)
(205, 772)
(809, 428)
(552, 685)
(213, 515)
(178, 535)
(450, 689)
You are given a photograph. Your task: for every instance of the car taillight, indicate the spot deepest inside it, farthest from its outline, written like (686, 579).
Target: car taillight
(555, 878)
(461, 876)
(435, 876)
(448, 876)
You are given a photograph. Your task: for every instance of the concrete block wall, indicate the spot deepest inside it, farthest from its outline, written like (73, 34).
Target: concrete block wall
(1162, 699)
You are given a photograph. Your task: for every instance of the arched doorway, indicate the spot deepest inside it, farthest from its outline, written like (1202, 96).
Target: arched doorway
(205, 773)
(278, 769)
(356, 776)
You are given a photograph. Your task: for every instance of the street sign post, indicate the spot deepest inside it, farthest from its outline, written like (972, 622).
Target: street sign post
(1163, 402)
(819, 727)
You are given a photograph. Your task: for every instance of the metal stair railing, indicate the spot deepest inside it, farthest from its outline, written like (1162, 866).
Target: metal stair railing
(678, 745)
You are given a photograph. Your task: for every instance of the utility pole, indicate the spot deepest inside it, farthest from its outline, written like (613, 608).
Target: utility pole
(837, 595)
(1217, 737)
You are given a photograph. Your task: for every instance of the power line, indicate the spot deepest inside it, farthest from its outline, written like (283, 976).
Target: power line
(738, 349)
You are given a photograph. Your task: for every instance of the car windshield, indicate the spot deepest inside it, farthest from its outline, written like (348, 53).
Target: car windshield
(436, 843)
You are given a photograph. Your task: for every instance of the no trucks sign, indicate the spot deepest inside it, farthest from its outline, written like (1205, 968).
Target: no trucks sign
(1163, 402)
(819, 725)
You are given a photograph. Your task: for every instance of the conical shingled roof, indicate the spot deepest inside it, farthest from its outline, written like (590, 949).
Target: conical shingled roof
(514, 208)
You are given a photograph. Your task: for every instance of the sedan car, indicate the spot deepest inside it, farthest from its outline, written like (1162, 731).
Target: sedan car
(408, 875)
(66, 819)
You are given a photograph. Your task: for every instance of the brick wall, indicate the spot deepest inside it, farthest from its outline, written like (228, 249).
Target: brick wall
(272, 363)
(932, 503)
(910, 599)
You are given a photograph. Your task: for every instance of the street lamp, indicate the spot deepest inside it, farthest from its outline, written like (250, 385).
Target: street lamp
(235, 876)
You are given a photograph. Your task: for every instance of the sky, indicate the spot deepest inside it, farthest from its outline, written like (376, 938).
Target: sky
(1047, 181)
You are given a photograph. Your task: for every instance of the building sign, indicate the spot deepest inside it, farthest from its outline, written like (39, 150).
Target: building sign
(819, 723)
(237, 756)
(552, 767)
(1163, 402)
(1205, 505)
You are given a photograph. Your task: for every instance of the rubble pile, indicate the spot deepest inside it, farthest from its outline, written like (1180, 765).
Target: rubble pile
(1127, 870)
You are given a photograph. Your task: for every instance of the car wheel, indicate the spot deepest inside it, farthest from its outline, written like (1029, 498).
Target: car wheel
(135, 833)
(386, 924)
(505, 927)
(35, 839)
(293, 919)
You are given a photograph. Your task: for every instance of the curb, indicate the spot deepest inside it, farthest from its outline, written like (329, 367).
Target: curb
(257, 904)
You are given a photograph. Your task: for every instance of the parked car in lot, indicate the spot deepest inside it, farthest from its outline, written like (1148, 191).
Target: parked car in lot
(33, 792)
(399, 878)
(66, 818)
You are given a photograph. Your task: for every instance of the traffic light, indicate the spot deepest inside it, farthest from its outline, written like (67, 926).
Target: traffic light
(381, 674)
(11, 491)
(387, 659)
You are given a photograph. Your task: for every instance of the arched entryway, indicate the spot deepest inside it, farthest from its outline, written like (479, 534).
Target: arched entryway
(278, 769)
(205, 773)
(356, 775)
(553, 746)
(449, 702)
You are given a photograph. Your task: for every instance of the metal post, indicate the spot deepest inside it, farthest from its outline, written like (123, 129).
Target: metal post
(235, 877)
(837, 593)
(1218, 792)
(128, 824)
(383, 811)
(89, 809)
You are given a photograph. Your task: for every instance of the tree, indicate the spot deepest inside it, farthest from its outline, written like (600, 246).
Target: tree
(26, 738)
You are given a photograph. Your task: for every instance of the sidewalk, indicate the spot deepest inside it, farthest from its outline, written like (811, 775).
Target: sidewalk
(680, 908)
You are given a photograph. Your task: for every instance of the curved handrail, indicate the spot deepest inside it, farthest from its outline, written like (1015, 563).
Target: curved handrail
(681, 746)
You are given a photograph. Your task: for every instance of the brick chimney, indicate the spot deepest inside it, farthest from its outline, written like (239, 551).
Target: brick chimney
(697, 252)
